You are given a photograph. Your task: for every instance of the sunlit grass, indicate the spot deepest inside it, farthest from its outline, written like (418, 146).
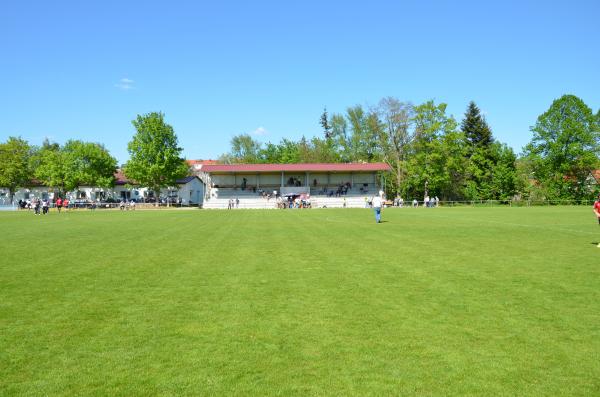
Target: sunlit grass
(458, 301)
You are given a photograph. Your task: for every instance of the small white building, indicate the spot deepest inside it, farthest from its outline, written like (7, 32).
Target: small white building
(190, 190)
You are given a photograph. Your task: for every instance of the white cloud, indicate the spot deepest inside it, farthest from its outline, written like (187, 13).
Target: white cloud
(260, 131)
(125, 84)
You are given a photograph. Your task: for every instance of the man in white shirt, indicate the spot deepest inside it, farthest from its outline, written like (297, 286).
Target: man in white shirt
(376, 202)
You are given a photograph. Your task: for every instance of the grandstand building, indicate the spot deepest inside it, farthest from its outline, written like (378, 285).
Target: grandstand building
(258, 185)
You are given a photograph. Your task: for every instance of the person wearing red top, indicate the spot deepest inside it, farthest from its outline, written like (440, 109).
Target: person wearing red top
(597, 211)
(66, 204)
(59, 204)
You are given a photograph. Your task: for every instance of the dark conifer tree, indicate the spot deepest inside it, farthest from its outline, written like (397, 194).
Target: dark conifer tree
(325, 124)
(476, 129)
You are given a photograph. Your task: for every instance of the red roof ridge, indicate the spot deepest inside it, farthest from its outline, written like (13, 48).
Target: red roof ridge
(316, 167)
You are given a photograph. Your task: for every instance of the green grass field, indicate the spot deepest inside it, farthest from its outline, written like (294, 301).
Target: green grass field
(457, 301)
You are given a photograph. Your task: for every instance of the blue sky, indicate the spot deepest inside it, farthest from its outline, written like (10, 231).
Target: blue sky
(216, 69)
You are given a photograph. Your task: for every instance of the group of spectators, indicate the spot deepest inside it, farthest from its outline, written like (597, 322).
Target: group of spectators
(42, 206)
(428, 202)
(342, 190)
(294, 182)
(302, 201)
(264, 194)
(233, 203)
(431, 202)
(127, 205)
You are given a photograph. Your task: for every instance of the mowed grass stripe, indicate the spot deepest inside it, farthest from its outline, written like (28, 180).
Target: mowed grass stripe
(447, 301)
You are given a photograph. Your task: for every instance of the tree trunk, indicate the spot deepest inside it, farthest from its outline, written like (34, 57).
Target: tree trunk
(398, 177)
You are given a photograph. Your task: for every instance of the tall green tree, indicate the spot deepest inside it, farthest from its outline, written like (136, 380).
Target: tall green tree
(481, 164)
(14, 165)
(339, 137)
(324, 121)
(75, 164)
(395, 136)
(453, 150)
(90, 164)
(324, 150)
(285, 152)
(155, 156)
(434, 152)
(505, 182)
(245, 149)
(565, 148)
(361, 145)
(50, 165)
(477, 131)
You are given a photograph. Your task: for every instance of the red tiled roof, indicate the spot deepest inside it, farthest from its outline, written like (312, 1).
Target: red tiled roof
(595, 174)
(121, 179)
(303, 167)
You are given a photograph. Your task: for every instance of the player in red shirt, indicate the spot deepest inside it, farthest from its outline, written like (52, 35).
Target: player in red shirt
(597, 211)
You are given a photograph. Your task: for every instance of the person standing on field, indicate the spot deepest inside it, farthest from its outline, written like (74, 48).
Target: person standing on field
(376, 203)
(59, 204)
(597, 211)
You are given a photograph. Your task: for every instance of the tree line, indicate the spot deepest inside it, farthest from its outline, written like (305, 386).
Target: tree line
(429, 152)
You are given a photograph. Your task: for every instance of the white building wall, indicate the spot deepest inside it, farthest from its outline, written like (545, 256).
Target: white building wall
(38, 192)
(190, 193)
(134, 192)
